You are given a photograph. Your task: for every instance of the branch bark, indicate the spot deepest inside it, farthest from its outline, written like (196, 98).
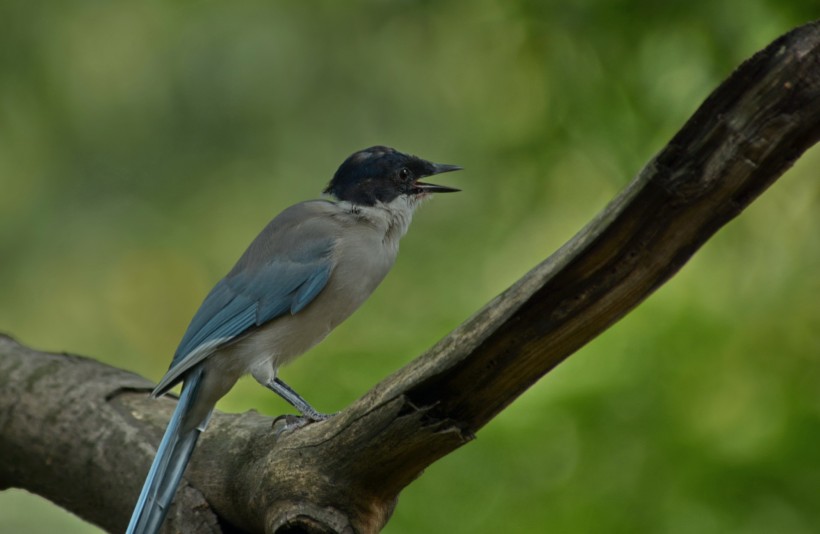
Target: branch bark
(82, 434)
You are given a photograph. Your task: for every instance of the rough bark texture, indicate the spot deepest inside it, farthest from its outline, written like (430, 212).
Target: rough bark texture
(83, 434)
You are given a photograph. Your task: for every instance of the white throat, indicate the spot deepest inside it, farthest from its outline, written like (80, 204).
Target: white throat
(392, 217)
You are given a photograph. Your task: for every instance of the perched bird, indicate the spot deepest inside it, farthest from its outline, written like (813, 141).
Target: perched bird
(305, 273)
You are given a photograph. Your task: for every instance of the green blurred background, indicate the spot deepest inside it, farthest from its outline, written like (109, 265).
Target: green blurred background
(144, 144)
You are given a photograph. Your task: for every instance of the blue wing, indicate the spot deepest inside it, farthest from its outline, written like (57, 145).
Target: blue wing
(282, 271)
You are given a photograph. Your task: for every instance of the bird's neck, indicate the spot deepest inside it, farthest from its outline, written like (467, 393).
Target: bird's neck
(393, 218)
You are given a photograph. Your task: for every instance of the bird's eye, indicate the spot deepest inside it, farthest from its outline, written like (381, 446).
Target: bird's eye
(404, 173)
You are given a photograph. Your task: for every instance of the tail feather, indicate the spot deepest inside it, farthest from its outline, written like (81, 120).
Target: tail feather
(169, 463)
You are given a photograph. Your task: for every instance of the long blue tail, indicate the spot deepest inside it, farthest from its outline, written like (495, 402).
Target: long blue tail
(169, 463)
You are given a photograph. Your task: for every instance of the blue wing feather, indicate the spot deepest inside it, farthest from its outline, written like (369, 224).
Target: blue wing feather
(266, 283)
(224, 313)
(310, 288)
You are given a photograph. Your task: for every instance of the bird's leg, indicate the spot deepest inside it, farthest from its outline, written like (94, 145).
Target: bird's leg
(286, 392)
(265, 374)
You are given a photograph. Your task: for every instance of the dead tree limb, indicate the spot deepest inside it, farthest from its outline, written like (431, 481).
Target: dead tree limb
(83, 434)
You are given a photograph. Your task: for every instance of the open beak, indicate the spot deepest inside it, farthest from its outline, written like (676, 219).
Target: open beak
(438, 168)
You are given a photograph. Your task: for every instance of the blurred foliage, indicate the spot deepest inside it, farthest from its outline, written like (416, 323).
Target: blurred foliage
(143, 144)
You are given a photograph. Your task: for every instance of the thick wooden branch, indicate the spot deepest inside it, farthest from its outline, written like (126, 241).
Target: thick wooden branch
(83, 434)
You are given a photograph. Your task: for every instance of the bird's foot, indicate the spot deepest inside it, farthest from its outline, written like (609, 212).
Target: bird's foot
(290, 422)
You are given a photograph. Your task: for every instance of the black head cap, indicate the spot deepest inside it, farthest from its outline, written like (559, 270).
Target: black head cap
(380, 174)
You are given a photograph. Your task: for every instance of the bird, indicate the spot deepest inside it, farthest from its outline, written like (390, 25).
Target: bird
(308, 270)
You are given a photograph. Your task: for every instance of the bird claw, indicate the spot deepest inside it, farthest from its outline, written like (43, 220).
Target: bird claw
(318, 416)
(290, 422)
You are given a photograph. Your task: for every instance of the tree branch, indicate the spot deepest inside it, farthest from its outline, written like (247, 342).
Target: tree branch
(82, 434)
